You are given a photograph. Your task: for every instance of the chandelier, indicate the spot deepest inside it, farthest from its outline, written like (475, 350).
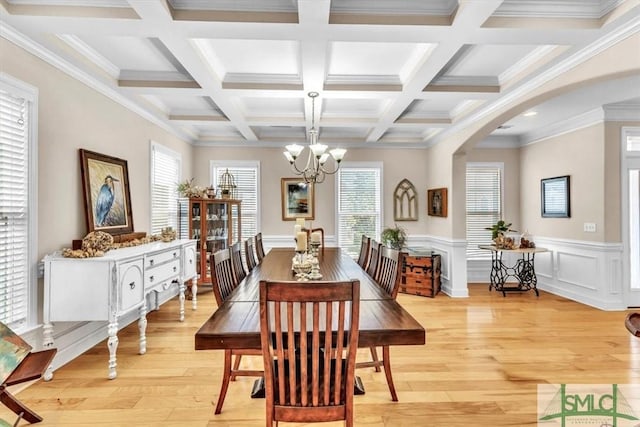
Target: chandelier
(316, 168)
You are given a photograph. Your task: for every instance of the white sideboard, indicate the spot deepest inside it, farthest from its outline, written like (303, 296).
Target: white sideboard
(105, 288)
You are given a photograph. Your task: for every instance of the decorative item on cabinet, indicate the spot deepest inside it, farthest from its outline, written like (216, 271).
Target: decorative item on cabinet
(420, 274)
(214, 223)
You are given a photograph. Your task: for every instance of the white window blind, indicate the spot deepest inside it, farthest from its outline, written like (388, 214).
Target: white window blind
(246, 176)
(484, 205)
(14, 209)
(165, 175)
(358, 201)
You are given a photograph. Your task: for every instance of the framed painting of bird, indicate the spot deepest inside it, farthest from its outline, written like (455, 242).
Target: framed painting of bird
(107, 201)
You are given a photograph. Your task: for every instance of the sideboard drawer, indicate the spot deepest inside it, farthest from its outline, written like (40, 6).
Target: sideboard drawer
(156, 259)
(158, 275)
(189, 267)
(131, 285)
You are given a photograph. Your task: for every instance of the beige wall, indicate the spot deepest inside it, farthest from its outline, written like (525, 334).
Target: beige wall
(578, 154)
(511, 160)
(71, 116)
(397, 165)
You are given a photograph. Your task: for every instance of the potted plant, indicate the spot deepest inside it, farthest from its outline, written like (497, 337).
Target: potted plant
(394, 237)
(498, 231)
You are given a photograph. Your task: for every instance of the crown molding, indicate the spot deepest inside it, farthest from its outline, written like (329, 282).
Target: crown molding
(465, 81)
(81, 3)
(572, 124)
(622, 112)
(235, 5)
(263, 79)
(391, 7)
(589, 9)
(500, 141)
(362, 79)
(521, 66)
(11, 34)
(90, 53)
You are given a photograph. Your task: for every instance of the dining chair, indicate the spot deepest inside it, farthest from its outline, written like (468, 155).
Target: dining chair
(310, 231)
(372, 261)
(224, 282)
(632, 323)
(388, 278)
(30, 368)
(309, 374)
(364, 251)
(259, 247)
(249, 254)
(239, 272)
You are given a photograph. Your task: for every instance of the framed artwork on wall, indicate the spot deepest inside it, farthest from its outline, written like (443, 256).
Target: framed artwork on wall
(297, 199)
(107, 201)
(555, 197)
(437, 202)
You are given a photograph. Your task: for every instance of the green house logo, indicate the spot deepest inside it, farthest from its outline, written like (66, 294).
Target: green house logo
(588, 405)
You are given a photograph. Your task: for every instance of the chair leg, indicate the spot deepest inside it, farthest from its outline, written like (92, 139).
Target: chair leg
(374, 357)
(236, 366)
(225, 380)
(18, 407)
(387, 372)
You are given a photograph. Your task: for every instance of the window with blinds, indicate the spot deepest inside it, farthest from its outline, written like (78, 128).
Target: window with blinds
(484, 205)
(359, 198)
(165, 175)
(246, 176)
(17, 221)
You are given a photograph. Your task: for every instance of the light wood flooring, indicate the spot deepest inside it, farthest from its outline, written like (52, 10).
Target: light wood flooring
(484, 357)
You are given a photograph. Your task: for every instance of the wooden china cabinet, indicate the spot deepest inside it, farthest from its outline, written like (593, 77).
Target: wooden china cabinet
(214, 224)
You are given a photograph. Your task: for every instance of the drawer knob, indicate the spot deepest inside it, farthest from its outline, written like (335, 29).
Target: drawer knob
(132, 285)
(151, 262)
(175, 269)
(190, 261)
(175, 254)
(151, 278)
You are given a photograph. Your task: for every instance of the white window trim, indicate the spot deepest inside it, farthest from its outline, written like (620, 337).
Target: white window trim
(352, 164)
(30, 93)
(488, 165)
(155, 146)
(242, 164)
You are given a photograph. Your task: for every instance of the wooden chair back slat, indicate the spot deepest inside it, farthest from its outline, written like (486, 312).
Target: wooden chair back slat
(364, 251)
(239, 272)
(372, 263)
(328, 314)
(249, 254)
(259, 247)
(390, 263)
(224, 281)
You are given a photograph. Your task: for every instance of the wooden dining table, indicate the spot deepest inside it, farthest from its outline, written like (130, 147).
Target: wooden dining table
(236, 323)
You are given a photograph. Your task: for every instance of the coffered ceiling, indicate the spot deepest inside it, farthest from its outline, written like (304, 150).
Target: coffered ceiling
(389, 72)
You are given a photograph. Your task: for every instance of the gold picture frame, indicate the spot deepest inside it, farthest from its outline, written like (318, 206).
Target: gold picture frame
(107, 200)
(297, 199)
(437, 202)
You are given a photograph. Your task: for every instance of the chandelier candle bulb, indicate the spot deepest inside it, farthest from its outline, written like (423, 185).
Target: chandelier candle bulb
(301, 241)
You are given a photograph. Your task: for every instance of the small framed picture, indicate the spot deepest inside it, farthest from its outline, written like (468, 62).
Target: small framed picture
(555, 197)
(437, 202)
(297, 199)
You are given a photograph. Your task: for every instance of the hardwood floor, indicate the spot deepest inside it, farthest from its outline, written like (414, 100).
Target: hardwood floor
(481, 365)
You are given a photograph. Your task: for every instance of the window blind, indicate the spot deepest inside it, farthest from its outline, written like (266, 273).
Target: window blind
(359, 202)
(14, 209)
(484, 206)
(246, 180)
(165, 175)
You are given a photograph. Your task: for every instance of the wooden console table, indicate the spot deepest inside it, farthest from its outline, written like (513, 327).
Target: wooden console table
(106, 288)
(524, 269)
(420, 274)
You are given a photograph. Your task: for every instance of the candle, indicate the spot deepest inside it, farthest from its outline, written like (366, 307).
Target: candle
(301, 241)
(315, 237)
(296, 229)
(300, 222)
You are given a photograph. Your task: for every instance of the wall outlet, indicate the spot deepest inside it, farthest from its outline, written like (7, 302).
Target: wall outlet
(590, 227)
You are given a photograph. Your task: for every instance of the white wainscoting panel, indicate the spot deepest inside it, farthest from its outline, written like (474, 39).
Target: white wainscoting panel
(586, 272)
